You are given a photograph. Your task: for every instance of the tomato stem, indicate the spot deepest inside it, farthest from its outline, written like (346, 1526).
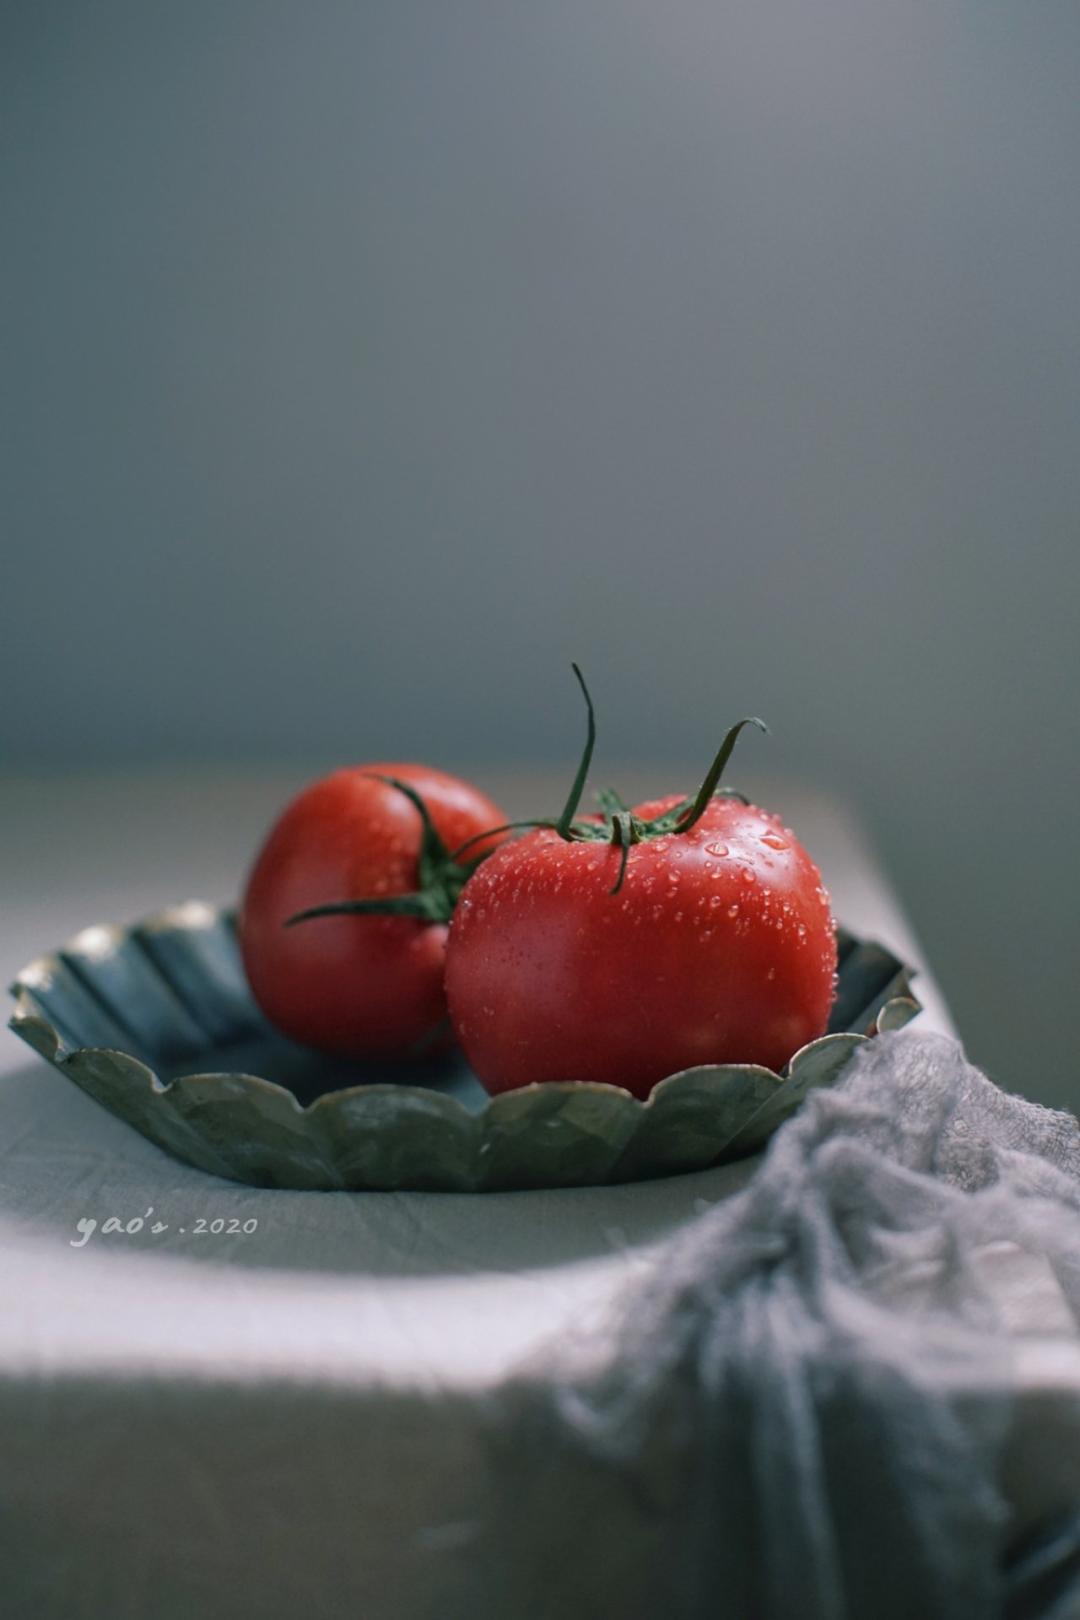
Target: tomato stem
(625, 830)
(441, 875)
(490, 832)
(434, 854)
(712, 778)
(421, 905)
(563, 825)
(610, 802)
(619, 826)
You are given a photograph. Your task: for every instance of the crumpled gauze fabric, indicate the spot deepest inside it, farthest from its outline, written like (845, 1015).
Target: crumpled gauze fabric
(780, 1411)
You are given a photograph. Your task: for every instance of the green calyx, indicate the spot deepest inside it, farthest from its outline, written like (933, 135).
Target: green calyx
(442, 877)
(618, 824)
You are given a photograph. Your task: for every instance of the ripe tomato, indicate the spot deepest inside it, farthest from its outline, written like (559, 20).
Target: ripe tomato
(367, 849)
(718, 948)
(621, 948)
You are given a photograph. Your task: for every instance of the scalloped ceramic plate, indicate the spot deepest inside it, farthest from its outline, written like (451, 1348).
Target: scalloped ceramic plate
(157, 1024)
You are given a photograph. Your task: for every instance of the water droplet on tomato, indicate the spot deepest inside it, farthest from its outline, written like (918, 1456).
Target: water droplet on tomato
(716, 849)
(733, 910)
(747, 875)
(773, 840)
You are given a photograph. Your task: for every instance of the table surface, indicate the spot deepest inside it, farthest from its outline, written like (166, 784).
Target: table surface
(342, 1319)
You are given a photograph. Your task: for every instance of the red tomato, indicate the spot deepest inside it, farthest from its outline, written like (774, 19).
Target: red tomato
(361, 984)
(718, 947)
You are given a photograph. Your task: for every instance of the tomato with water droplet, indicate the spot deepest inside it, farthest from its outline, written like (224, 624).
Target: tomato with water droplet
(661, 990)
(368, 849)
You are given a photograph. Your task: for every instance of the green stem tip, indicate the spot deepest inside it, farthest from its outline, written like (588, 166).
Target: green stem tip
(562, 826)
(716, 770)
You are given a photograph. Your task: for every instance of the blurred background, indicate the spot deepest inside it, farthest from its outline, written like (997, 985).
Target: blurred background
(366, 362)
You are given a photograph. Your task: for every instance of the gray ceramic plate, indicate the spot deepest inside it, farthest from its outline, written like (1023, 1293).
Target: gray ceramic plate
(156, 1023)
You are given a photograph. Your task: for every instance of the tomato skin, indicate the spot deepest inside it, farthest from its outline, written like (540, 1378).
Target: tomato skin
(719, 948)
(356, 986)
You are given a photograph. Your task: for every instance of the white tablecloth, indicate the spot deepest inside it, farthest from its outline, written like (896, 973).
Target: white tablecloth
(291, 1419)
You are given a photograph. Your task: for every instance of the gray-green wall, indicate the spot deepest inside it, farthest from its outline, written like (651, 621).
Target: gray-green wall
(364, 362)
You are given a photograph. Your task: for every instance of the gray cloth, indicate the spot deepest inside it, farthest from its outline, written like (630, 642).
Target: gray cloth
(782, 1405)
